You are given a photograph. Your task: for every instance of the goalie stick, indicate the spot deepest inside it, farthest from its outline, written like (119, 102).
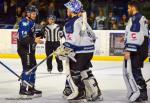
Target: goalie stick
(84, 20)
(19, 77)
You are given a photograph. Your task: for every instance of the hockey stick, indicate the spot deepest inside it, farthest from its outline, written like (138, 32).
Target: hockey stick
(55, 52)
(147, 80)
(15, 74)
(28, 72)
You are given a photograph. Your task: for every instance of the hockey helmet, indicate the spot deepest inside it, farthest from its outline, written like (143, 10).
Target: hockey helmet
(32, 8)
(51, 16)
(74, 5)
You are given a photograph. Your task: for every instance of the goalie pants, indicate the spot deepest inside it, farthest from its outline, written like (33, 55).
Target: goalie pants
(83, 62)
(28, 61)
(50, 47)
(137, 62)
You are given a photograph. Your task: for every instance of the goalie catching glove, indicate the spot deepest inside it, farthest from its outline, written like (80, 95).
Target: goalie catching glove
(63, 53)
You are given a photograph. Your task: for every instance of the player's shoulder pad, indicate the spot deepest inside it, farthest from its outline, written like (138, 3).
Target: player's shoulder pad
(78, 21)
(24, 22)
(144, 20)
(69, 26)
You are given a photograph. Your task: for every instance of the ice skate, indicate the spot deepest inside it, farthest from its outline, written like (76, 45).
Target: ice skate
(98, 98)
(24, 94)
(142, 98)
(37, 93)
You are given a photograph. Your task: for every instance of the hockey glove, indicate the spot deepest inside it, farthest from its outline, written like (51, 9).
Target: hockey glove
(64, 53)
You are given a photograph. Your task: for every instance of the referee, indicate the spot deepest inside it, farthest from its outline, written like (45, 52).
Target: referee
(53, 34)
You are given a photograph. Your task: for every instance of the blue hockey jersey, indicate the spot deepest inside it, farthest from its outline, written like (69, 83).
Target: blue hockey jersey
(26, 28)
(26, 36)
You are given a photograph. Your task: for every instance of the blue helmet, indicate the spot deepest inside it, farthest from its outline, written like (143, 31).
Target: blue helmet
(51, 16)
(31, 8)
(74, 5)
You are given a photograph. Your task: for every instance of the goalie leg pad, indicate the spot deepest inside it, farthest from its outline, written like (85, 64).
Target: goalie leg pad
(72, 86)
(137, 73)
(91, 86)
(132, 87)
(76, 85)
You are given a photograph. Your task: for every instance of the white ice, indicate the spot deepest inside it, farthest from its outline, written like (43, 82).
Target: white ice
(108, 75)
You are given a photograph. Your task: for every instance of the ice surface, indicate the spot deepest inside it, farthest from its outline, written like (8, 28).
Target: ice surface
(108, 74)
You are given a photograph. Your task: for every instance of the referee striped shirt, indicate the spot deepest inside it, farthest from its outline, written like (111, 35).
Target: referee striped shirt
(53, 32)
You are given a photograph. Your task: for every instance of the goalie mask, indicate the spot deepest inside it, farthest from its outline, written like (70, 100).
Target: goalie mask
(74, 6)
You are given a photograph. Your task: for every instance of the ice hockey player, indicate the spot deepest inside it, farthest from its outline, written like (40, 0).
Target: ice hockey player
(81, 85)
(26, 44)
(53, 34)
(136, 51)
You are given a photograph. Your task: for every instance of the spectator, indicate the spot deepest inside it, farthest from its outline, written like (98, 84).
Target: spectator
(91, 19)
(93, 6)
(11, 14)
(1, 6)
(100, 21)
(33, 2)
(18, 16)
(123, 22)
(108, 21)
(43, 10)
(23, 14)
(22, 3)
(114, 25)
(52, 10)
(1, 11)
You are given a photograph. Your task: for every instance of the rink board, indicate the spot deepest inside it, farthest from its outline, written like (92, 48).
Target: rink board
(107, 47)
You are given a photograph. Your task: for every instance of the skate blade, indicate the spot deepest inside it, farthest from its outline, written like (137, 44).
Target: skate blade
(20, 97)
(64, 96)
(100, 98)
(139, 102)
(37, 95)
(78, 101)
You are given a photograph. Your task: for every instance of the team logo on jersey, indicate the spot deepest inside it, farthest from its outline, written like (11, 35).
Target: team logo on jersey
(133, 36)
(69, 36)
(25, 23)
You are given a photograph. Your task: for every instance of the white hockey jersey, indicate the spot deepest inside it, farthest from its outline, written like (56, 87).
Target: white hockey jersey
(80, 41)
(136, 30)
